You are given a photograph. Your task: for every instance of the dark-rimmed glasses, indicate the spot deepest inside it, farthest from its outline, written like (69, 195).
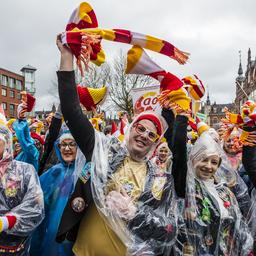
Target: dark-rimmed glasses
(70, 145)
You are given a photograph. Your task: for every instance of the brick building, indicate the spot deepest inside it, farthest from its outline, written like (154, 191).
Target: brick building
(215, 112)
(246, 84)
(11, 84)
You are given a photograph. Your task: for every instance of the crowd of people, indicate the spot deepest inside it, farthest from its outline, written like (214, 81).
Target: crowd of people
(171, 185)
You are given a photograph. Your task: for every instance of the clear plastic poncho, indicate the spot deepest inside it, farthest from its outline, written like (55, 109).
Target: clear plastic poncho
(214, 220)
(136, 201)
(252, 217)
(20, 195)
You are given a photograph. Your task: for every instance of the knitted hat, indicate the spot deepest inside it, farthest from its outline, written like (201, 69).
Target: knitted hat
(154, 119)
(91, 97)
(36, 136)
(194, 87)
(248, 113)
(113, 127)
(202, 127)
(82, 17)
(29, 99)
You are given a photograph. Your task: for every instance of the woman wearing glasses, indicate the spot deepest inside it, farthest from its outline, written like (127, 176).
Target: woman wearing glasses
(57, 185)
(130, 206)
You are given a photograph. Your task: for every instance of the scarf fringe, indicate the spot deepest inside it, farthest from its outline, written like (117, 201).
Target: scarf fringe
(166, 100)
(180, 56)
(86, 50)
(248, 138)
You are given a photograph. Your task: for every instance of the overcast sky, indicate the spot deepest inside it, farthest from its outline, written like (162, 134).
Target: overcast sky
(213, 31)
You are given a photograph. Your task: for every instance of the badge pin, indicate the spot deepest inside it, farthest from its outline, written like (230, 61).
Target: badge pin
(78, 204)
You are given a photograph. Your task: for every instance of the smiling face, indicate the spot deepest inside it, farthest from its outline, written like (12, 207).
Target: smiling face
(206, 167)
(68, 150)
(163, 153)
(229, 148)
(141, 139)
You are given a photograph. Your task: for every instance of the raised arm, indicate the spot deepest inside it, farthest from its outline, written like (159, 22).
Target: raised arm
(179, 151)
(249, 162)
(30, 153)
(176, 136)
(52, 136)
(77, 122)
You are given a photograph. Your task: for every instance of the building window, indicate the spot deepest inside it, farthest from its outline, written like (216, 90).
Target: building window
(4, 80)
(4, 92)
(29, 75)
(215, 120)
(4, 106)
(12, 109)
(11, 82)
(12, 95)
(214, 110)
(18, 96)
(18, 84)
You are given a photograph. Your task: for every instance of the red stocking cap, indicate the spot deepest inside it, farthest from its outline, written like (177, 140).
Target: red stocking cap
(154, 119)
(82, 17)
(113, 127)
(195, 88)
(29, 99)
(91, 97)
(36, 136)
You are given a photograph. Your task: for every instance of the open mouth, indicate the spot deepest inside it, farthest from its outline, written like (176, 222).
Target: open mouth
(140, 143)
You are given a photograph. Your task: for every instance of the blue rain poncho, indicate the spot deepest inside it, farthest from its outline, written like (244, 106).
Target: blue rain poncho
(29, 153)
(57, 184)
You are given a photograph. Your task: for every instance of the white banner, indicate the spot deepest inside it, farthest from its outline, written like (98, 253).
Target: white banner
(145, 98)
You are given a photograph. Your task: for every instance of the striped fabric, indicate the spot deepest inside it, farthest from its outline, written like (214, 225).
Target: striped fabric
(91, 97)
(138, 62)
(82, 17)
(194, 87)
(84, 39)
(7, 222)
